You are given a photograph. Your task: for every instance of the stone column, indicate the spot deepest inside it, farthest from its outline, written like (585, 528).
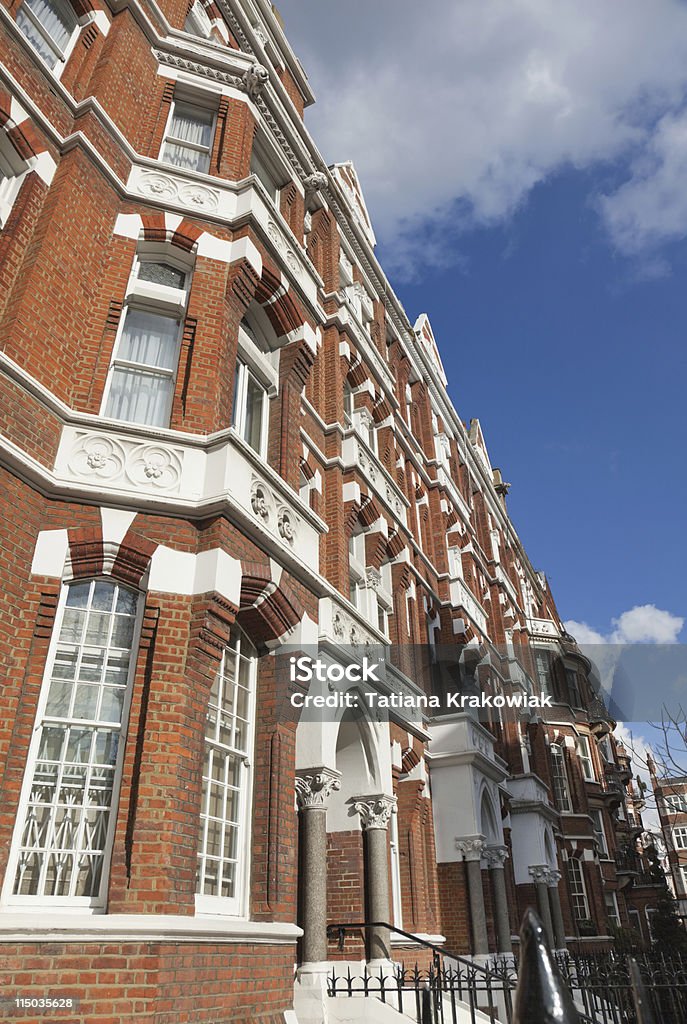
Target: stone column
(375, 812)
(472, 854)
(556, 911)
(540, 874)
(495, 857)
(314, 786)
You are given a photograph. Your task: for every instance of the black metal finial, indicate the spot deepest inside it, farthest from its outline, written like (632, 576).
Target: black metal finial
(542, 996)
(642, 1000)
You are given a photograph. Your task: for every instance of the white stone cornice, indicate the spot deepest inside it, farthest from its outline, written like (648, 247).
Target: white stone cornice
(22, 926)
(375, 811)
(314, 786)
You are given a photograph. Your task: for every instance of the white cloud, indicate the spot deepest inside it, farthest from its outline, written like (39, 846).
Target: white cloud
(651, 207)
(647, 624)
(456, 111)
(642, 624)
(639, 750)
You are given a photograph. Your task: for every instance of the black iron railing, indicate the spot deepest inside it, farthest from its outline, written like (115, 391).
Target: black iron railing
(610, 988)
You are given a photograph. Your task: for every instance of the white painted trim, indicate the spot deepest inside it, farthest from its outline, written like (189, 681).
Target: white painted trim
(18, 927)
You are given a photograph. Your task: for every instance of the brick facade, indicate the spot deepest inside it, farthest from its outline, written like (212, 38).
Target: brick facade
(303, 479)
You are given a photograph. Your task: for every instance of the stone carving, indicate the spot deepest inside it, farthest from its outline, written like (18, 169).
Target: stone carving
(98, 455)
(374, 579)
(125, 462)
(277, 517)
(285, 522)
(260, 501)
(314, 786)
(540, 873)
(282, 247)
(154, 464)
(255, 79)
(347, 630)
(495, 856)
(157, 185)
(374, 811)
(202, 70)
(471, 848)
(554, 878)
(316, 182)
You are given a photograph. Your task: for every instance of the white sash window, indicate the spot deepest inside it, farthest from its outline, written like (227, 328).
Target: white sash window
(188, 137)
(222, 879)
(50, 26)
(65, 826)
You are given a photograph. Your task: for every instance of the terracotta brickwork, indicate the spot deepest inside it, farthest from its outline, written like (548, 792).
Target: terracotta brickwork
(211, 397)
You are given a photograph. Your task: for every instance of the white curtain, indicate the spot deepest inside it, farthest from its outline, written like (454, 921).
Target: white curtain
(57, 20)
(136, 395)
(191, 125)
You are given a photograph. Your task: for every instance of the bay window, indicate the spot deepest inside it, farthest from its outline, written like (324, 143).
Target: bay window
(227, 779)
(50, 26)
(65, 825)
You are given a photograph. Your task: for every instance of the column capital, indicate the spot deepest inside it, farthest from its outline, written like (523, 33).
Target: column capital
(554, 878)
(540, 873)
(495, 856)
(471, 847)
(375, 811)
(314, 786)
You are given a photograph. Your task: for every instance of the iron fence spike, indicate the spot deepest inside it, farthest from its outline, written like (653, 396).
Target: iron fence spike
(541, 996)
(642, 1000)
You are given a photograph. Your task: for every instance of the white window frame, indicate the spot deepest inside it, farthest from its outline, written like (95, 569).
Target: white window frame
(348, 404)
(584, 754)
(596, 814)
(157, 300)
(243, 376)
(61, 55)
(683, 877)
(207, 103)
(237, 905)
(268, 168)
(559, 774)
(680, 837)
(13, 169)
(614, 916)
(200, 23)
(675, 803)
(82, 904)
(577, 889)
(356, 572)
(542, 664)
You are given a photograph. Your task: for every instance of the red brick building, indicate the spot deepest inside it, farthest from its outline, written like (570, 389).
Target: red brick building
(219, 435)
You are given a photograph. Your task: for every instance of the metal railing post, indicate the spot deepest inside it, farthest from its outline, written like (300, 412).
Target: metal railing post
(642, 1000)
(541, 997)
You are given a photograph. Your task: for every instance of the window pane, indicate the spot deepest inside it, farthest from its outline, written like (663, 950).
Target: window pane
(188, 159)
(255, 396)
(150, 339)
(191, 124)
(36, 38)
(64, 830)
(225, 774)
(140, 397)
(161, 273)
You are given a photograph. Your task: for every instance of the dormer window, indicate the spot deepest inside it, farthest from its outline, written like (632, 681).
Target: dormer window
(50, 26)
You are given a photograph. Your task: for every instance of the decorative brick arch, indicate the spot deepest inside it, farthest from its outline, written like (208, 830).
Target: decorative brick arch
(90, 555)
(267, 610)
(273, 295)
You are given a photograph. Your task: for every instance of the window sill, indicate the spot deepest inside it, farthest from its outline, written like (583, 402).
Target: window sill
(55, 927)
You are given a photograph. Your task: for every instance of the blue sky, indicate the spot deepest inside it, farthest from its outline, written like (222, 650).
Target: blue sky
(525, 165)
